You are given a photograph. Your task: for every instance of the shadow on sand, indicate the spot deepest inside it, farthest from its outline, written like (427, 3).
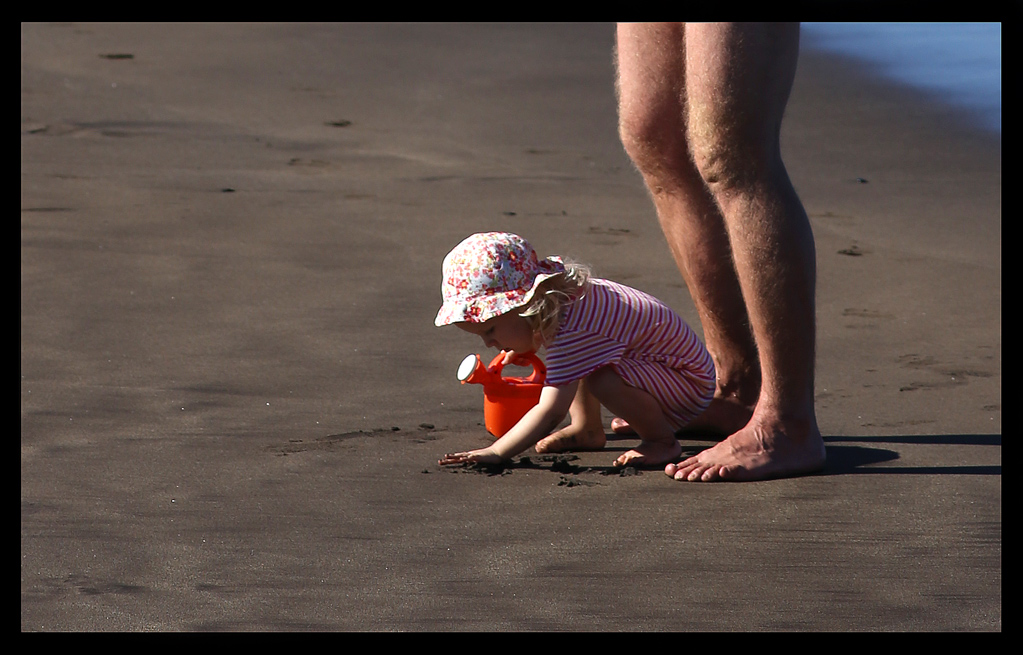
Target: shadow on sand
(858, 459)
(845, 456)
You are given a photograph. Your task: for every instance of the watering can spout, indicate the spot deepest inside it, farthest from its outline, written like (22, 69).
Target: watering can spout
(472, 371)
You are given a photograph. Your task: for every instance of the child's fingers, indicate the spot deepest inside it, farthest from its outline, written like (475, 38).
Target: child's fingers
(515, 358)
(455, 458)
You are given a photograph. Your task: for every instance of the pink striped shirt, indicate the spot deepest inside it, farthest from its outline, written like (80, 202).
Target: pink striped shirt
(648, 344)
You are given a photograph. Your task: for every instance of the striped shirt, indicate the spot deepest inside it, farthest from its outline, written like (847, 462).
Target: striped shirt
(648, 344)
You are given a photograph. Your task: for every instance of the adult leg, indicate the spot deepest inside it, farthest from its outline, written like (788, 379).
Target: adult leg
(651, 89)
(738, 79)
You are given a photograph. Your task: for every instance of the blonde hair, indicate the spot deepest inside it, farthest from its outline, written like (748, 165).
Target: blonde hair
(543, 311)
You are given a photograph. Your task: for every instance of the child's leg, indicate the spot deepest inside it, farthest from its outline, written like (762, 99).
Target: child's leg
(644, 415)
(585, 432)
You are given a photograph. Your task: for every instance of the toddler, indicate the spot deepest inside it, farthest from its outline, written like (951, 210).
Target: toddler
(605, 344)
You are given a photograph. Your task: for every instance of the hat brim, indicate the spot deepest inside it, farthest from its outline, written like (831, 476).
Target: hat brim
(482, 309)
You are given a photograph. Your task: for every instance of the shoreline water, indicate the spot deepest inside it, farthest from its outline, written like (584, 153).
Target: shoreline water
(956, 63)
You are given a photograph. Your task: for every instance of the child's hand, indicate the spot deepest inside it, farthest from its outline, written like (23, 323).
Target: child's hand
(510, 356)
(483, 456)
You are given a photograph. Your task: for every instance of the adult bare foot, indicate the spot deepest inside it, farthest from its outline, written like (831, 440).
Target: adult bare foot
(621, 426)
(761, 450)
(571, 438)
(650, 453)
(724, 416)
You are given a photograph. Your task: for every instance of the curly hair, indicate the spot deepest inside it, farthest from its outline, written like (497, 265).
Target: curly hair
(543, 312)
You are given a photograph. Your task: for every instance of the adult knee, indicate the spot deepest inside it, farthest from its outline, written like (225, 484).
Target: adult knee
(728, 160)
(656, 143)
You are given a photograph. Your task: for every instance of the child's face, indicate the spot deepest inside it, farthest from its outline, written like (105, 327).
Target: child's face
(505, 332)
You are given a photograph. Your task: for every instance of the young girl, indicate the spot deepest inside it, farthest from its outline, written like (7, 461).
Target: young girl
(606, 344)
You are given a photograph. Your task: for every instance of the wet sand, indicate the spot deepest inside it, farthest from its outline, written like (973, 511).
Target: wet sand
(233, 396)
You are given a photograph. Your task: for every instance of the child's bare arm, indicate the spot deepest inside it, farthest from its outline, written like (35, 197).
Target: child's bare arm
(534, 426)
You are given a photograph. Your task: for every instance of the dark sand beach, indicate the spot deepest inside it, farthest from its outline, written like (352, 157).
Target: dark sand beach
(233, 397)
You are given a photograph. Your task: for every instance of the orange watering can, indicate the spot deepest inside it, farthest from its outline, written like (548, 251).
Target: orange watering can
(505, 400)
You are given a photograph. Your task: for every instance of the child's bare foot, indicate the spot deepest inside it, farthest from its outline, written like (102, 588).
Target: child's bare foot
(765, 448)
(650, 453)
(572, 437)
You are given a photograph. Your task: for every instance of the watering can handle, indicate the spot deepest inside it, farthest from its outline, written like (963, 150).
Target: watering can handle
(529, 359)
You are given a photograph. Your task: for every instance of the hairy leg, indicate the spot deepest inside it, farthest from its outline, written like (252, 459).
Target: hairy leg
(651, 89)
(738, 79)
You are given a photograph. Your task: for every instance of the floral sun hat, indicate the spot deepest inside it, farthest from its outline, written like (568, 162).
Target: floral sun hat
(489, 274)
